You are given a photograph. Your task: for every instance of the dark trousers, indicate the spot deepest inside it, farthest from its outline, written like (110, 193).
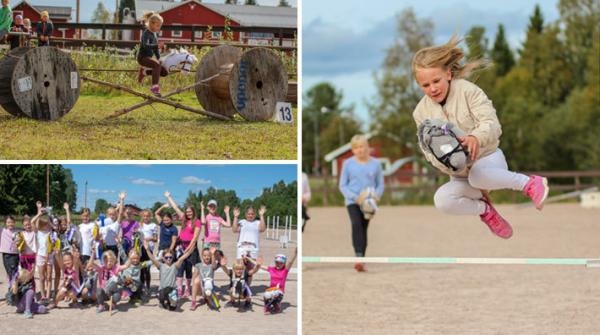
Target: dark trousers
(359, 229)
(11, 264)
(145, 273)
(163, 298)
(157, 70)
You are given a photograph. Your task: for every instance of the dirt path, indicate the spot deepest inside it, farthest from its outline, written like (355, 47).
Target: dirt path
(454, 299)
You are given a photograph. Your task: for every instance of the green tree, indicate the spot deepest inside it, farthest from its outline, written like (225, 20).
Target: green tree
(231, 2)
(477, 43)
(250, 3)
(283, 3)
(325, 124)
(502, 56)
(101, 206)
(22, 185)
(397, 93)
(580, 19)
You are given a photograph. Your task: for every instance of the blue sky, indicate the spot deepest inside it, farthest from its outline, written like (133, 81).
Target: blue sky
(88, 6)
(344, 41)
(145, 184)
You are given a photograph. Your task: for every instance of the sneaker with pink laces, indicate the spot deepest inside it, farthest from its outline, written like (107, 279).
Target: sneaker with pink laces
(141, 75)
(497, 224)
(537, 190)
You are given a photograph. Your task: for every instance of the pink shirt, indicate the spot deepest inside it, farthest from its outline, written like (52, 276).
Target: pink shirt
(7, 244)
(278, 277)
(73, 274)
(186, 234)
(105, 274)
(212, 228)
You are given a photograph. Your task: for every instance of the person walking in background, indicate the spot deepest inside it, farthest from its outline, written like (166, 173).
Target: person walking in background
(361, 183)
(456, 102)
(306, 195)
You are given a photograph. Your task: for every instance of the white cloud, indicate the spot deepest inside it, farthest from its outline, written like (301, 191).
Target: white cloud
(143, 181)
(194, 180)
(98, 191)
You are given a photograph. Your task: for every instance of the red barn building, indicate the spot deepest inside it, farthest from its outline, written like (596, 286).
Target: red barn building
(57, 14)
(193, 12)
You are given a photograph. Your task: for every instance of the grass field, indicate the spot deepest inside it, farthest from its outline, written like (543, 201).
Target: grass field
(153, 132)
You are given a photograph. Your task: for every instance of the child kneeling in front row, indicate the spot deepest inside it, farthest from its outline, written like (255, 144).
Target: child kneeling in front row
(167, 291)
(274, 294)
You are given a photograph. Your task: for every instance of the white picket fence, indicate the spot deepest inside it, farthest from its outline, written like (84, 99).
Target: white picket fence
(281, 229)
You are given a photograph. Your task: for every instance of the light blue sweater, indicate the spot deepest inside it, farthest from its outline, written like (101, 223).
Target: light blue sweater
(356, 177)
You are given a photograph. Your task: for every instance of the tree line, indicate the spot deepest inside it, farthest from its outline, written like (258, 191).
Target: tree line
(546, 93)
(22, 185)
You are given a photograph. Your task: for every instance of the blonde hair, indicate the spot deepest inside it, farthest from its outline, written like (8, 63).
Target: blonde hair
(447, 56)
(357, 140)
(45, 14)
(238, 265)
(151, 16)
(108, 254)
(27, 22)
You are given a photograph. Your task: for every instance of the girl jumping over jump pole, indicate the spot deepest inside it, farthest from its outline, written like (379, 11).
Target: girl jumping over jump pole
(453, 102)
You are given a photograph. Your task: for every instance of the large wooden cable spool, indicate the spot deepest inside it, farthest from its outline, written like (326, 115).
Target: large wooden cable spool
(40, 83)
(215, 97)
(258, 81)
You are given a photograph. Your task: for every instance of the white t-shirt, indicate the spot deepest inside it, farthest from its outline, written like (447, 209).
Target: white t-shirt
(149, 230)
(110, 231)
(249, 232)
(42, 241)
(87, 237)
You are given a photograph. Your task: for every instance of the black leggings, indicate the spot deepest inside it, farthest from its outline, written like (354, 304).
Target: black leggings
(145, 273)
(103, 296)
(163, 298)
(11, 264)
(359, 230)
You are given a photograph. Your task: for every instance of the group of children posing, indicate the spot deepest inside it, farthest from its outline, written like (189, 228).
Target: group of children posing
(104, 261)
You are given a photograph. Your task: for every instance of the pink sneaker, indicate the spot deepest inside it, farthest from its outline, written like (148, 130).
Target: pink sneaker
(537, 189)
(495, 222)
(155, 89)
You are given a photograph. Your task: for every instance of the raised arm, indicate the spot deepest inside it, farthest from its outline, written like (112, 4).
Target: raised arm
(261, 213)
(236, 225)
(157, 215)
(174, 205)
(151, 255)
(227, 222)
(292, 259)
(67, 210)
(121, 206)
(202, 215)
(183, 257)
(36, 218)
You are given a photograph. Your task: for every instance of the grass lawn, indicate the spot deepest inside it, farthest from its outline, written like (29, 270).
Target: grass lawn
(153, 132)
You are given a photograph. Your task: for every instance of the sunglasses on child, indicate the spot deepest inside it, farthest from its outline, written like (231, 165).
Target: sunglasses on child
(168, 257)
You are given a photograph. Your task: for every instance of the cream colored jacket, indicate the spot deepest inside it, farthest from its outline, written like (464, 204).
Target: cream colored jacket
(468, 107)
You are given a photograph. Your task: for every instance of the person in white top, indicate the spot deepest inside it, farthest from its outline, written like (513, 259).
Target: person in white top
(109, 231)
(150, 231)
(249, 230)
(45, 248)
(89, 233)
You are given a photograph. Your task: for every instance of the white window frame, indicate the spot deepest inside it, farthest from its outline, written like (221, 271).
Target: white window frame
(176, 33)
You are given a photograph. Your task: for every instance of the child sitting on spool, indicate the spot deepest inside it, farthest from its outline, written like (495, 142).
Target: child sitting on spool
(148, 48)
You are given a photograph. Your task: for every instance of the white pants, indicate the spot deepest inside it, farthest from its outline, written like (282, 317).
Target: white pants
(462, 196)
